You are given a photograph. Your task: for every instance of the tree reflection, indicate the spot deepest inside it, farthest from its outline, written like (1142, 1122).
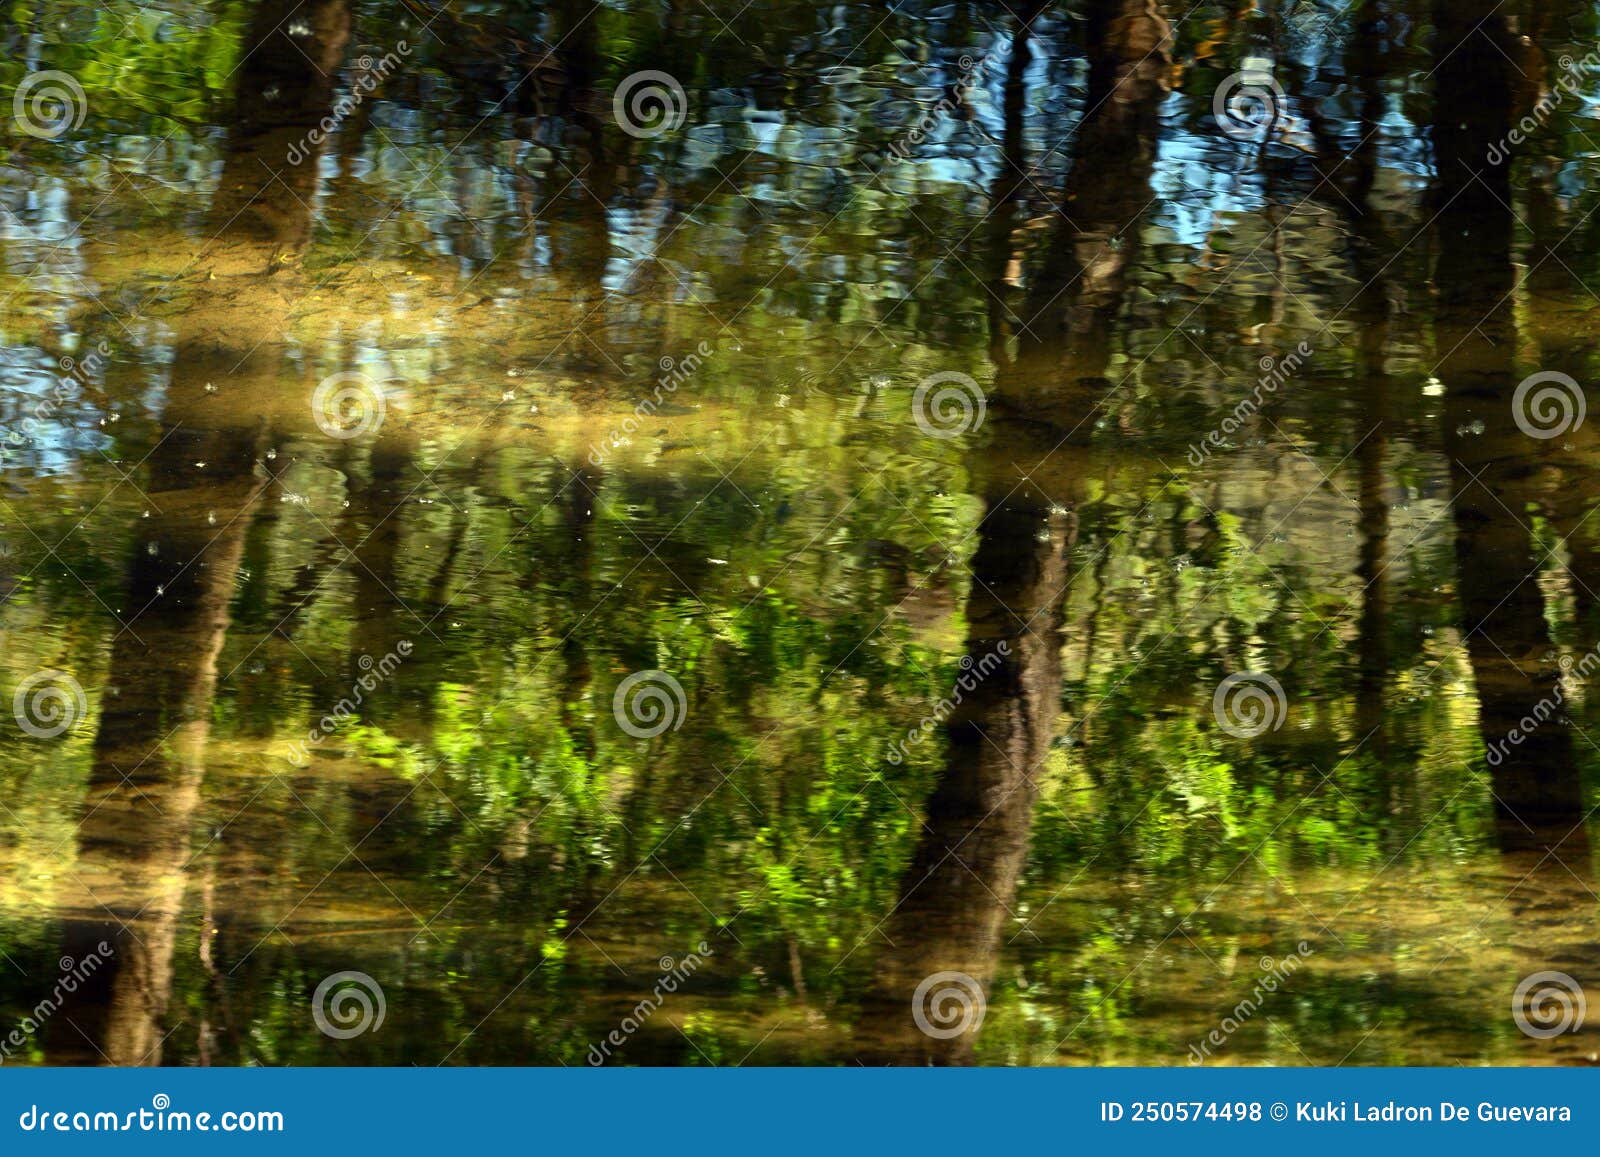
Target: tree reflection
(204, 480)
(958, 891)
(1538, 799)
(782, 540)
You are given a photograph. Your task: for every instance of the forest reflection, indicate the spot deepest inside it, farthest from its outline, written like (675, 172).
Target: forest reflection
(1037, 613)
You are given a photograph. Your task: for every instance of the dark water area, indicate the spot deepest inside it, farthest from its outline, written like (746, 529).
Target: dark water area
(727, 533)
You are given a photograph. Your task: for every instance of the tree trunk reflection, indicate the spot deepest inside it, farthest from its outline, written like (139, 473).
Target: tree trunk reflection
(134, 845)
(1537, 798)
(962, 881)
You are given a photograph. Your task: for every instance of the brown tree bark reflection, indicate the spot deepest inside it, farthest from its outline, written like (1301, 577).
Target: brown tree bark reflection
(134, 840)
(943, 938)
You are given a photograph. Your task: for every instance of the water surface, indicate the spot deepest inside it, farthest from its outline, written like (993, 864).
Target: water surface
(1071, 535)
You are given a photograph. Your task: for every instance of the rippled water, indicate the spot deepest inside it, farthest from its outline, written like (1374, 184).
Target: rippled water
(916, 533)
